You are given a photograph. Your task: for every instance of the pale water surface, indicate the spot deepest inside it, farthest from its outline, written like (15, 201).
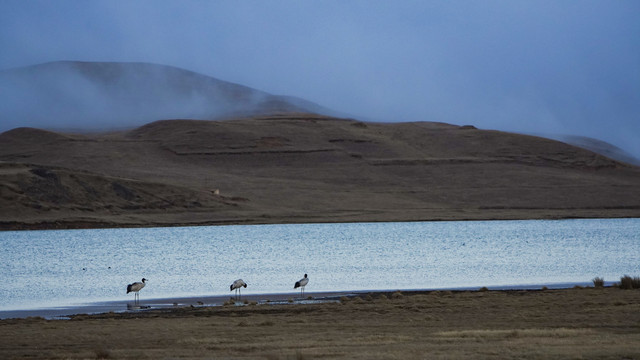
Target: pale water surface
(66, 267)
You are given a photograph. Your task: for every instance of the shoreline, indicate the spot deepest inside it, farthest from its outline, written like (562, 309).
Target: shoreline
(574, 323)
(165, 303)
(98, 224)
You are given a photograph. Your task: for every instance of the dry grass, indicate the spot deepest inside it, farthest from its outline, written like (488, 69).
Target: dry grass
(516, 333)
(571, 323)
(598, 282)
(627, 282)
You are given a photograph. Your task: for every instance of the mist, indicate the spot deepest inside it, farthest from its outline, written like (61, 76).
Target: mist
(66, 95)
(544, 67)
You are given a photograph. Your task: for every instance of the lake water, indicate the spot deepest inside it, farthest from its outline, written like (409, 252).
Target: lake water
(65, 267)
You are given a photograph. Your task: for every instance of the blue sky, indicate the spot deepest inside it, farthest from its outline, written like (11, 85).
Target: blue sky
(563, 67)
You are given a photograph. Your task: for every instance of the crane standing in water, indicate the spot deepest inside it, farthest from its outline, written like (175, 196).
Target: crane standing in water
(301, 284)
(136, 287)
(236, 286)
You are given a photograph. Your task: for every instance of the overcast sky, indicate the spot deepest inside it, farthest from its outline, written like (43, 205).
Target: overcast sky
(567, 67)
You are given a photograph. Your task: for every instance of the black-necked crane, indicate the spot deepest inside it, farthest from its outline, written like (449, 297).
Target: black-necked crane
(136, 287)
(301, 284)
(236, 286)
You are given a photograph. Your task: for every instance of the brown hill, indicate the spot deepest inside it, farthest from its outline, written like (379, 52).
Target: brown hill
(301, 168)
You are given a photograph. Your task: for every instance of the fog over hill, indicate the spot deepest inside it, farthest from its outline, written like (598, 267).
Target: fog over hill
(188, 149)
(598, 146)
(548, 67)
(103, 95)
(86, 96)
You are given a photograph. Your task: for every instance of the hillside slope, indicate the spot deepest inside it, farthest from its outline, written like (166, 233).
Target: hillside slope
(301, 168)
(107, 95)
(600, 147)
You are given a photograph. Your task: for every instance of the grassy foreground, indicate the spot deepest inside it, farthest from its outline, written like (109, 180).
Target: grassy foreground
(571, 323)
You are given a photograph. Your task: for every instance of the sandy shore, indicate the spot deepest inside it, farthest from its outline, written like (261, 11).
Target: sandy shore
(539, 324)
(64, 312)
